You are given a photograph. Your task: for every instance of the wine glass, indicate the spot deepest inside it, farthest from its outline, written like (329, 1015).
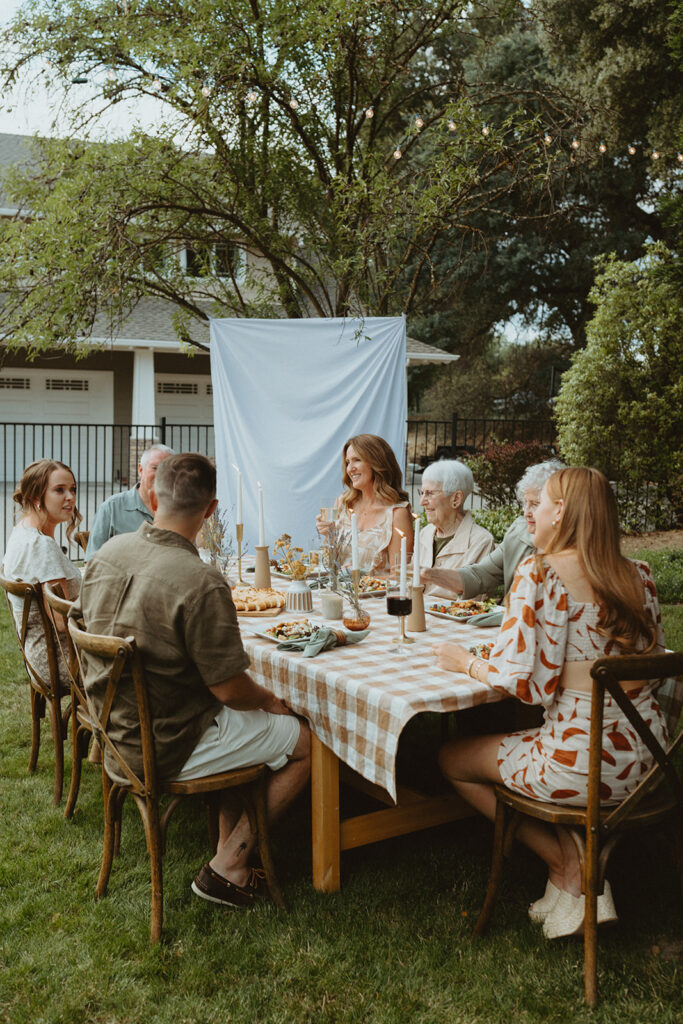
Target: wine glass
(400, 606)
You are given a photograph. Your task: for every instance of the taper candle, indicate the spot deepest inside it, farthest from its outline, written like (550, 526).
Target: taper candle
(261, 521)
(404, 564)
(355, 563)
(239, 493)
(416, 554)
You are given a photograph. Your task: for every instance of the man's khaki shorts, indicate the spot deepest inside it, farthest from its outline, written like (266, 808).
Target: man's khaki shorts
(238, 739)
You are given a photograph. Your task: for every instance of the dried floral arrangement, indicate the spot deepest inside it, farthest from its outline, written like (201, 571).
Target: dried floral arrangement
(348, 590)
(290, 558)
(336, 544)
(214, 537)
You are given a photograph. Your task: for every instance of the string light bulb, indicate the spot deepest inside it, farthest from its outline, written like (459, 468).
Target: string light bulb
(547, 138)
(655, 154)
(369, 113)
(452, 126)
(156, 84)
(397, 153)
(251, 96)
(603, 147)
(206, 89)
(111, 75)
(294, 103)
(48, 62)
(632, 150)
(575, 143)
(419, 123)
(485, 129)
(679, 157)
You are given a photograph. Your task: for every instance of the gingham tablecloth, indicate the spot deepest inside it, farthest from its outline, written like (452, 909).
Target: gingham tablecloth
(359, 698)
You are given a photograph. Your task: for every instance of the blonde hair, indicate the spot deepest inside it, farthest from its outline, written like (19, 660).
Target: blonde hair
(34, 483)
(386, 472)
(590, 523)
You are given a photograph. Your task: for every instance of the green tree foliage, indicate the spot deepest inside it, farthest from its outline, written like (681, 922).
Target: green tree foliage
(620, 407)
(267, 146)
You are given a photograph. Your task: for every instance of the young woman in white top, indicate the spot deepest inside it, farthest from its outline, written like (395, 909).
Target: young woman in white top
(47, 497)
(374, 492)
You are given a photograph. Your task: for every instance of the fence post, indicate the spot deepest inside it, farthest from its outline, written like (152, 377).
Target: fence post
(162, 429)
(454, 432)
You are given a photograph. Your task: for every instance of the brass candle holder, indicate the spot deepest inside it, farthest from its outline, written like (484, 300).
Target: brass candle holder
(262, 567)
(416, 620)
(239, 532)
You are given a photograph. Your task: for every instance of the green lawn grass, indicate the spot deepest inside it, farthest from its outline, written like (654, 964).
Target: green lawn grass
(393, 946)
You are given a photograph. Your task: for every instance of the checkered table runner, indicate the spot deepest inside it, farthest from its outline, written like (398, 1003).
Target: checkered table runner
(359, 698)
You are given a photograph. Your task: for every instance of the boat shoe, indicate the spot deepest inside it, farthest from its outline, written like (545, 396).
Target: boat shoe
(211, 886)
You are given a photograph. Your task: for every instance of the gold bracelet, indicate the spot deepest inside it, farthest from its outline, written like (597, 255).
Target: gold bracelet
(477, 677)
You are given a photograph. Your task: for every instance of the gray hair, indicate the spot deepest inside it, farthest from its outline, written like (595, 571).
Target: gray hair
(144, 458)
(453, 476)
(535, 476)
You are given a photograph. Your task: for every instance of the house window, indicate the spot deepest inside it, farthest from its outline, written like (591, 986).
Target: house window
(223, 259)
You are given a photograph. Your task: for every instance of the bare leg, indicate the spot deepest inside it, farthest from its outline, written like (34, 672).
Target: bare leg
(235, 839)
(470, 765)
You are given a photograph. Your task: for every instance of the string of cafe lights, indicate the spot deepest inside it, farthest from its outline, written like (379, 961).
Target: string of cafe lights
(417, 122)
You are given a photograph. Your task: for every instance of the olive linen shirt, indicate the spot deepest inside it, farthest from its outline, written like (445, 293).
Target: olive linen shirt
(152, 585)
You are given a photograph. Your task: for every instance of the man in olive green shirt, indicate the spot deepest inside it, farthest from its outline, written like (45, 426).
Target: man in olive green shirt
(208, 714)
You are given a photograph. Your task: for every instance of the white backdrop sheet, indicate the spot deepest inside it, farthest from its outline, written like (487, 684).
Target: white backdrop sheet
(287, 394)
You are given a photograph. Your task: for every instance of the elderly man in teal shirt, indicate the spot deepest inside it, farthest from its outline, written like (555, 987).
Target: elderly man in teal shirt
(127, 511)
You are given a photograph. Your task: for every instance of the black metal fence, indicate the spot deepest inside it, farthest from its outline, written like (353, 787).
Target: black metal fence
(104, 458)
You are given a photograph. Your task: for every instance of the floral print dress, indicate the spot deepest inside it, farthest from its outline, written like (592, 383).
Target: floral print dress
(543, 628)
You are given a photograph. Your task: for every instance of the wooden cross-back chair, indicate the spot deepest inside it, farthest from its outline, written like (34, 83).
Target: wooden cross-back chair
(124, 662)
(596, 828)
(46, 693)
(81, 726)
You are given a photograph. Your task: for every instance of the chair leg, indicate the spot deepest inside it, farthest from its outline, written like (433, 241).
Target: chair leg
(57, 727)
(111, 808)
(37, 712)
(259, 791)
(79, 751)
(591, 884)
(496, 870)
(155, 849)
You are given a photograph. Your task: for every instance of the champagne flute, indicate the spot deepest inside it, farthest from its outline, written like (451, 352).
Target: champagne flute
(400, 606)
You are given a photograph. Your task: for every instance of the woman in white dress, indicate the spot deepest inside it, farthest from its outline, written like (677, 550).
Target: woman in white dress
(47, 497)
(374, 492)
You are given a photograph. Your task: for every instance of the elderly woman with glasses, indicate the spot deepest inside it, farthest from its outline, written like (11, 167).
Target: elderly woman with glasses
(484, 574)
(451, 538)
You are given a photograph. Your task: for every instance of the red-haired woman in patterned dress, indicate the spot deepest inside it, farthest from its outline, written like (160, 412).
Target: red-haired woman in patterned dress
(577, 601)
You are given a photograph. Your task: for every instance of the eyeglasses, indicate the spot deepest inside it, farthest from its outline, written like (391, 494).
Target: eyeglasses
(428, 495)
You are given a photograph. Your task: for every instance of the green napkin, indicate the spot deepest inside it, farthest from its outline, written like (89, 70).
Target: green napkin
(322, 640)
(487, 619)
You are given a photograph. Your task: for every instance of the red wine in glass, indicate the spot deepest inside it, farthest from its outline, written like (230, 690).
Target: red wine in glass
(399, 605)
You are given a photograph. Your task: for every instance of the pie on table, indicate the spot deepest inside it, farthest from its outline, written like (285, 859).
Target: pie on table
(257, 599)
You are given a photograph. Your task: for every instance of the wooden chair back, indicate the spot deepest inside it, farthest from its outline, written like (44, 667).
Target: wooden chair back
(46, 690)
(31, 594)
(597, 827)
(123, 661)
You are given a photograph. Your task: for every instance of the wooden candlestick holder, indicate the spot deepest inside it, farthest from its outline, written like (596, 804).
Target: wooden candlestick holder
(416, 620)
(262, 567)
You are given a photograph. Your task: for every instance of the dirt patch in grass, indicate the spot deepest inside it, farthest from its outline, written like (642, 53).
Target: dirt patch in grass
(672, 539)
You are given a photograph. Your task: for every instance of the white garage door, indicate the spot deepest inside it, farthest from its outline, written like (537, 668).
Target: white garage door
(52, 414)
(186, 402)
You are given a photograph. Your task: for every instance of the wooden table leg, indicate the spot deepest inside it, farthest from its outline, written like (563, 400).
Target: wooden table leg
(326, 824)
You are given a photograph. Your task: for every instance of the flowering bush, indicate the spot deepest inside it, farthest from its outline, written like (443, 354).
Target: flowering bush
(498, 470)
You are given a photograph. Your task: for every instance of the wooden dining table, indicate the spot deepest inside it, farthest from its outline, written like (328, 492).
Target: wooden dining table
(358, 699)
